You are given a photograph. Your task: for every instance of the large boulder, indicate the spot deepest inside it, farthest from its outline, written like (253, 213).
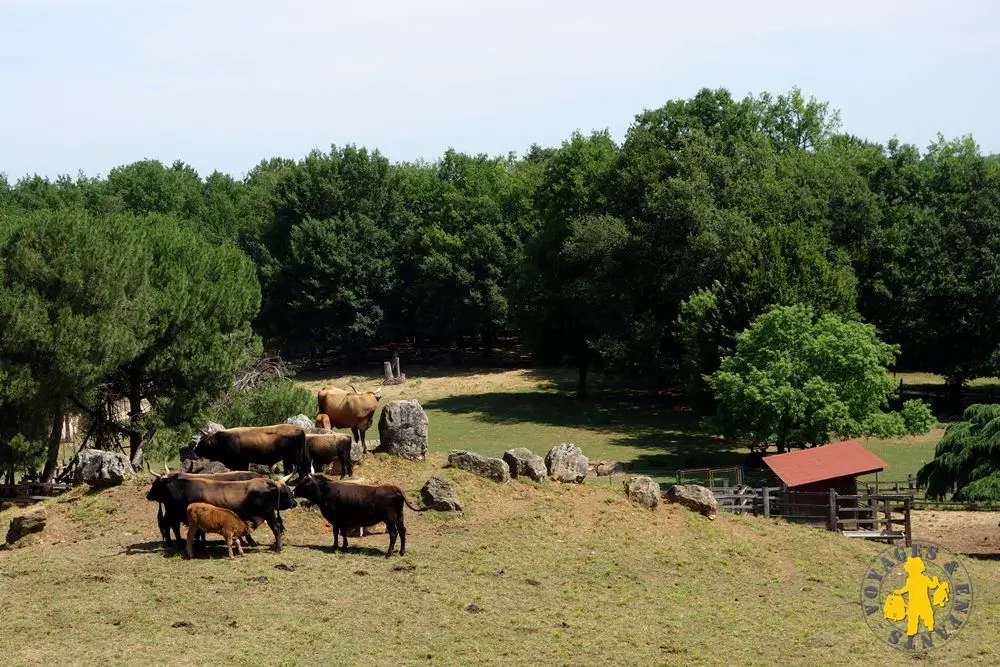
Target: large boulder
(523, 463)
(643, 490)
(210, 427)
(102, 469)
(402, 430)
(694, 497)
(303, 422)
(489, 467)
(32, 522)
(202, 467)
(566, 463)
(439, 493)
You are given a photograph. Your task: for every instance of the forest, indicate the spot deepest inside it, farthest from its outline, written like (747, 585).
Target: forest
(649, 257)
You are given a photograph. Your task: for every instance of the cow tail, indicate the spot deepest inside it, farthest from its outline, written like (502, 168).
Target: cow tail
(415, 509)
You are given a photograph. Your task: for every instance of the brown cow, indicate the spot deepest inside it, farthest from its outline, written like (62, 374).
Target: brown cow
(212, 519)
(342, 409)
(237, 448)
(325, 448)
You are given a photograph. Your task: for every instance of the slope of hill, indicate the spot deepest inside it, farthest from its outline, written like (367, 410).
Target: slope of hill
(528, 574)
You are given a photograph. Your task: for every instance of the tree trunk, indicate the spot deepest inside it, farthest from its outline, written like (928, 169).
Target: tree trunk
(134, 411)
(487, 341)
(55, 439)
(581, 381)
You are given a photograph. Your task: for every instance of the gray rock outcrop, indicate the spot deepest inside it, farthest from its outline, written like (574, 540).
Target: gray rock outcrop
(566, 463)
(523, 463)
(694, 497)
(303, 422)
(32, 522)
(102, 469)
(643, 490)
(202, 467)
(402, 430)
(440, 494)
(489, 467)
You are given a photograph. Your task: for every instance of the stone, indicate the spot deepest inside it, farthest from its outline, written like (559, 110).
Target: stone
(694, 497)
(439, 493)
(643, 490)
(202, 467)
(6, 505)
(210, 427)
(489, 467)
(402, 430)
(102, 469)
(32, 522)
(261, 468)
(608, 468)
(523, 463)
(566, 463)
(303, 422)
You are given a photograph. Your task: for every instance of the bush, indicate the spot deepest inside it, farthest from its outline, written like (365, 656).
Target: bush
(271, 403)
(917, 416)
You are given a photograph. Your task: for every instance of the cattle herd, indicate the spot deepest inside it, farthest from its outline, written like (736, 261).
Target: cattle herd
(233, 504)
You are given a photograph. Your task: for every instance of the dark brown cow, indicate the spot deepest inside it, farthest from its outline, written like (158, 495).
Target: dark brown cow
(250, 499)
(325, 448)
(165, 520)
(347, 505)
(237, 448)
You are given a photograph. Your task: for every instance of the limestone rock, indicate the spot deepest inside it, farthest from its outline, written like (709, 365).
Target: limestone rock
(102, 469)
(643, 490)
(566, 463)
(402, 430)
(694, 497)
(523, 463)
(32, 522)
(440, 494)
(489, 467)
(303, 422)
(202, 467)
(261, 468)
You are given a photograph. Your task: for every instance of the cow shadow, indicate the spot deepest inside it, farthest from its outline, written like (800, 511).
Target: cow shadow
(214, 548)
(351, 550)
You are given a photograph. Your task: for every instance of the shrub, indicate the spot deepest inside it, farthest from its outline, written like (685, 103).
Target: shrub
(271, 403)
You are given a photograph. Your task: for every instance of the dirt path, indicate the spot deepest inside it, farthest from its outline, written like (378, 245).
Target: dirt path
(959, 531)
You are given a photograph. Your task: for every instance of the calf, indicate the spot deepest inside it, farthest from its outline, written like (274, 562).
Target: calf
(212, 519)
(325, 448)
(346, 505)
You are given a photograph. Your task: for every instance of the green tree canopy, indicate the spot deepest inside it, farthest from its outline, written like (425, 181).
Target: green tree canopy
(966, 462)
(796, 379)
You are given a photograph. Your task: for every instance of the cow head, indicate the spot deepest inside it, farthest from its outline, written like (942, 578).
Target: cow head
(159, 491)
(307, 488)
(286, 496)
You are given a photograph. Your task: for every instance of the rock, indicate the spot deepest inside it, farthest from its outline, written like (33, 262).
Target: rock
(210, 427)
(523, 463)
(402, 430)
(694, 497)
(489, 467)
(261, 468)
(202, 467)
(440, 494)
(102, 469)
(566, 463)
(6, 505)
(303, 422)
(32, 522)
(608, 468)
(643, 490)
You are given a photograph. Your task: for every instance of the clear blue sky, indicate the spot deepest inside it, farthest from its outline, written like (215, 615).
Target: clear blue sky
(92, 84)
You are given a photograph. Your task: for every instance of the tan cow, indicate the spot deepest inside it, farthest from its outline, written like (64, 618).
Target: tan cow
(212, 519)
(347, 409)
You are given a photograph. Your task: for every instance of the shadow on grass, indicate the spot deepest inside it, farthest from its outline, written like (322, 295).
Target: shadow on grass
(637, 419)
(352, 549)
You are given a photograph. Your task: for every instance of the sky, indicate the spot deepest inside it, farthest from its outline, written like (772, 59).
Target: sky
(87, 85)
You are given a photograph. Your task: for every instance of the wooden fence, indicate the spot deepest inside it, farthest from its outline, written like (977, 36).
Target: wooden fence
(879, 516)
(30, 492)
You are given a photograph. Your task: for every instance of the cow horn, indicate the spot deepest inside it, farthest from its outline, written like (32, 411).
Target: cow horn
(352, 388)
(284, 480)
(312, 471)
(166, 468)
(156, 475)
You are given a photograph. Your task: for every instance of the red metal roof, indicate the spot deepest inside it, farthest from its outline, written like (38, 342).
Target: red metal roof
(840, 459)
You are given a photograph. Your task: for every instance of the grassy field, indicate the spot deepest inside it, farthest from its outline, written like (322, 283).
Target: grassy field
(529, 574)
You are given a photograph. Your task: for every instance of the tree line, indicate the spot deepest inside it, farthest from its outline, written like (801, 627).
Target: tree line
(650, 255)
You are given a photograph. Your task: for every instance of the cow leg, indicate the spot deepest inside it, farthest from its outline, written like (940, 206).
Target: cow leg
(190, 541)
(336, 536)
(402, 537)
(272, 523)
(177, 532)
(354, 430)
(343, 533)
(391, 527)
(229, 545)
(364, 445)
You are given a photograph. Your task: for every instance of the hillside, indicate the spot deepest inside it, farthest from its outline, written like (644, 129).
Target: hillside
(560, 575)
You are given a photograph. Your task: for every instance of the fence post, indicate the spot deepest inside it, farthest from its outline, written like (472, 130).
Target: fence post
(832, 522)
(911, 482)
(767, 502)
(906, 526)
(888, 515)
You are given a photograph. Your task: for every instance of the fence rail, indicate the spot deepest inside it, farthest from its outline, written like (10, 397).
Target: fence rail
(29, 492)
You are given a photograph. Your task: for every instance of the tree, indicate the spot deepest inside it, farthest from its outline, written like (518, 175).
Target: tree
(784, 265)
(966, 462)
(73, 301)
(796, 379)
